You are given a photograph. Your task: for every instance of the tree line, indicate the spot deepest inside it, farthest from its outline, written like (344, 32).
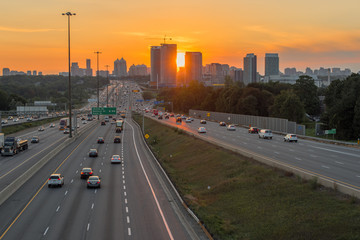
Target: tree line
(271, 99)
(19, 90)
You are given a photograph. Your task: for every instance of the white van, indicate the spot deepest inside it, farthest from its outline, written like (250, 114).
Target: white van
(265, 133)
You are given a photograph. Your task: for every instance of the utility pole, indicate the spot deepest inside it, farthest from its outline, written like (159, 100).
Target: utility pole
(97, 74)
(107, 86)
(69, 14)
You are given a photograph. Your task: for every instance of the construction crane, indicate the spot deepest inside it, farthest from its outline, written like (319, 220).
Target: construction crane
(164, 39)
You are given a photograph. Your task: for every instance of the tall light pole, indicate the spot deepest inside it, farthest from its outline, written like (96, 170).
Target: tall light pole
(107, 86)
(97, 74)
(69, 14)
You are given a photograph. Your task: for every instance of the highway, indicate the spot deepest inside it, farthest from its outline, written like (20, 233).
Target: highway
(334, 162)
(135, 200)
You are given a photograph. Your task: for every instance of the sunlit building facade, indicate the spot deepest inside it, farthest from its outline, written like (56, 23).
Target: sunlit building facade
(168, 65)
(193, 66)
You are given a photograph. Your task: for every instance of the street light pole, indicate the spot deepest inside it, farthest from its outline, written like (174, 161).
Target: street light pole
(69, 14)
(97, 74)
(107, 86)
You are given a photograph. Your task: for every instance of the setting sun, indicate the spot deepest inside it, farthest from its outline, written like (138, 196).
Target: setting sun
(180, 61)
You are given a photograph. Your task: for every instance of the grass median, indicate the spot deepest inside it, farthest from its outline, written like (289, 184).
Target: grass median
(238, 198)
(9, 129)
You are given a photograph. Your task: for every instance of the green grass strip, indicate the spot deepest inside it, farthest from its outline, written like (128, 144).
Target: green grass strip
(238, 198)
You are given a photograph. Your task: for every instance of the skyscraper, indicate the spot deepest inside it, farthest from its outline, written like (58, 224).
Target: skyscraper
(88, 70)
(271, 64)
(168, 66)
(249, 69)
(120, 69)
(6, 71)
(155, 65)
(193, 66)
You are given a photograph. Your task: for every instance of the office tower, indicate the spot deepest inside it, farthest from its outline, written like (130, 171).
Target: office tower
(88, 70)
(120, 69)
(271, 64)
(168, 66)
(250, 69)
(155, 56)
(6, 71)
(193, 66)
(34, 72)
(236, 74)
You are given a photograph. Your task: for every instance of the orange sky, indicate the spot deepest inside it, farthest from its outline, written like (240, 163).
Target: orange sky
(304, 33)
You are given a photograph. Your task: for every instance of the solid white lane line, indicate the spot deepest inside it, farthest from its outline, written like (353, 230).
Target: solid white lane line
(92, 206)
(330, 150)
(46, 230)
(127, 219)
(150, 186)
(129, 231)
(339, 162)
(57, 208)
(88, 226)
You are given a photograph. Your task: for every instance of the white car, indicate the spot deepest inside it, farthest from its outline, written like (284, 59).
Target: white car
(56, 180)
(290, 138)
(231, 127)
(52, 125)
(201, 130)
(115, 159)
(188, 120)
(265, 133)
(4, 121)
(15, 120)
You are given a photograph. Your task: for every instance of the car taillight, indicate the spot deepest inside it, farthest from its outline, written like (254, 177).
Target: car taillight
(49, 178)
(98, 182)
(91, 173)
(88, 182)
(82, 173)
(58, 179)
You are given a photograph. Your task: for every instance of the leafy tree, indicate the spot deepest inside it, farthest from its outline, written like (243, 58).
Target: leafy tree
(3, 101)
(289, 106)
(306, 90)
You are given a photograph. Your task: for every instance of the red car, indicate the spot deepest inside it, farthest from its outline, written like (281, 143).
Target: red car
(253, 130)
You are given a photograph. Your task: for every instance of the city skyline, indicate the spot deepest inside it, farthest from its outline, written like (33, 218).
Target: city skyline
(327, 35)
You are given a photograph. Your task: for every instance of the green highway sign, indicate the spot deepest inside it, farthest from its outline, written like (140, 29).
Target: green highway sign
(103, 111)
(331, 131)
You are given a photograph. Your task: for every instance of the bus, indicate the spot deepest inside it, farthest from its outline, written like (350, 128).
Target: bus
(63, 124)
(119, 126)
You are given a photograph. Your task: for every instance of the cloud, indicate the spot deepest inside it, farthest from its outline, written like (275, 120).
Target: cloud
(27, 30)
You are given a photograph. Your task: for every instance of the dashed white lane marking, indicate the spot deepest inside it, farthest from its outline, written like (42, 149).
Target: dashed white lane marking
(123, 176)
(350, 154)
(125, 194)
(100, 170)
(291, 150)
(312, 155)
(259, 147)
(77, 171)
(245, 143)
(95, 190)
(127, 219)
(129, 231)
(72, 180)
(88, 227)
(102, 163)
(46, 230)
(124, 187)
(276, 152)
(357, 175)
(84, 158)
(126, 209)
(105, 152)
(123, 172)
(339, 162)
(123, 181)
(125, 200)
(66, 192)
(57, 208)
(80, 164)
(325, 166)
(298, 158)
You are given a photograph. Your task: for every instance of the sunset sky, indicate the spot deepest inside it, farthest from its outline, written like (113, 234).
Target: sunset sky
(314, 33)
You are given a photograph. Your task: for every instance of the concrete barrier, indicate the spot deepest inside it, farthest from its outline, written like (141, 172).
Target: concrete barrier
(15, 185)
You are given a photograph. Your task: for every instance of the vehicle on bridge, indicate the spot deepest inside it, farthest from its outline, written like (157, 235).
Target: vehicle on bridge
(13, 145)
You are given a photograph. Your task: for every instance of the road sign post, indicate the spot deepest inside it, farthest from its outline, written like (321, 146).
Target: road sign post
(103, 111)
